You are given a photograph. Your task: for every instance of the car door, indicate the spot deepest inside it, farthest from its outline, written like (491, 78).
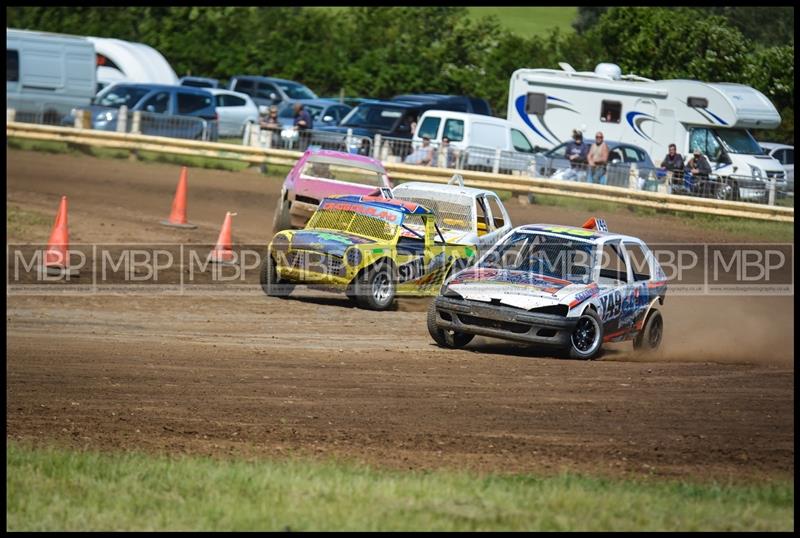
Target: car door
(232, 114)
(616, 290)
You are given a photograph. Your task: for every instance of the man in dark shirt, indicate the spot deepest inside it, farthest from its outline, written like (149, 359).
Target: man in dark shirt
(576, 152)
(673, 162)
(700, 169)
(303, 123)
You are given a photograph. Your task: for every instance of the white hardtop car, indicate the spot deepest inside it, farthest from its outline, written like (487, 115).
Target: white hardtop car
(563, 286)
(465, 215)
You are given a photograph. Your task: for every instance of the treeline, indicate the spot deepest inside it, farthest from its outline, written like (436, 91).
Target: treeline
(382, 51)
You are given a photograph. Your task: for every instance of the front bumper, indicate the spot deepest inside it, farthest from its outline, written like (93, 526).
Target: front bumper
(473, 317)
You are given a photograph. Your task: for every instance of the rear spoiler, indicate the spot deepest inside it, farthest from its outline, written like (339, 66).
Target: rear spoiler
(596, 223)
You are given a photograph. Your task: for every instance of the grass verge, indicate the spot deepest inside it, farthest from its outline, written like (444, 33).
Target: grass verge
(56, 489)
(20, 221)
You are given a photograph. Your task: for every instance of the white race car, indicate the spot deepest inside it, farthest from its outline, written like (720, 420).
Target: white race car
(563, 286)
(465, 215)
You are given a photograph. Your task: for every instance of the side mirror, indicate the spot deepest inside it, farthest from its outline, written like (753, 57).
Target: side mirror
(273, 96)
(150, 108)
(327, 118)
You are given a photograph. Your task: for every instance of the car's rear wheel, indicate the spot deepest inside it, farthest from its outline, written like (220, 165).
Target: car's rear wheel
(271, 283)
(587, 337)
(446, 338)
(375, 287)
(649, 339)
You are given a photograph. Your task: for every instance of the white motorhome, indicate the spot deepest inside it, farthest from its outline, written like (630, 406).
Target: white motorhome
(547, 104)
(47, 74)
(478, 137)
(125, 61)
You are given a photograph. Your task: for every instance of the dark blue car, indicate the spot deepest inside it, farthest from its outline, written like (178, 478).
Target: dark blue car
(174, 111)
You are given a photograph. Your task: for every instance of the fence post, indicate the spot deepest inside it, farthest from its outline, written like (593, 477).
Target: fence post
(376, 148)
(11, 114)
(496, 165)
(82, 119)
(633, 177)
(136, 124)
(122, 119)
(771, 200)
(348, 140)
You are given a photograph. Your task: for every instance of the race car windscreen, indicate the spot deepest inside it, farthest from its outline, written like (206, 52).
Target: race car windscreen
(341, 171)
(338, 217)
(453, 212)
(540, 254)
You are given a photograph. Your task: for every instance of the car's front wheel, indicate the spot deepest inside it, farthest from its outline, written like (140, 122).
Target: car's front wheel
(445, 338)
(375, 288)
(271, 283)
(587, 337)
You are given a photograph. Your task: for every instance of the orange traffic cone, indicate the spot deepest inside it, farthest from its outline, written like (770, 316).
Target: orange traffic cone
(177, 217)
(223, 253)
(56, 257)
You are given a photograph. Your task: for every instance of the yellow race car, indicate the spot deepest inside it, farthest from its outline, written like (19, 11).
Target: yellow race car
(370, 247)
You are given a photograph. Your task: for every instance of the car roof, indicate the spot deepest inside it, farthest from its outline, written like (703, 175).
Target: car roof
(330, 156)
(269, 79)
(444, 188)
(407, 208)
(218, 91)
(205, 79)
(325, 101)
(389, 102)
(595, 237)
(169, 87)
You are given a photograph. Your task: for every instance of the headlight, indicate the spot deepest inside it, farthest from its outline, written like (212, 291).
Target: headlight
(755, 171)
(447, 292)
(353, 257)
(280, 243)
(107, 116)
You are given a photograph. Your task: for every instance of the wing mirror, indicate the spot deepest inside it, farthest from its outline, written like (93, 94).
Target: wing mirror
(327, 118)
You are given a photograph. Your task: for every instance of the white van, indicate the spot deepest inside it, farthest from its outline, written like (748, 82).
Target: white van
(479, 140)
(126, 61)
(47, 75)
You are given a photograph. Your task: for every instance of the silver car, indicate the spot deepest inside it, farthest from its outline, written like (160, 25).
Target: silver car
(235, 110)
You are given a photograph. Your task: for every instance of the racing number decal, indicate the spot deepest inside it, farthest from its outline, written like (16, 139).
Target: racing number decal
(612, 305)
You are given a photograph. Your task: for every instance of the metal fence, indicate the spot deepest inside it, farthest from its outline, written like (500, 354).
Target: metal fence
(119, 120)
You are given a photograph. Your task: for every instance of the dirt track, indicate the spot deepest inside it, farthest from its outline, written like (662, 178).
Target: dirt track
(251, 375)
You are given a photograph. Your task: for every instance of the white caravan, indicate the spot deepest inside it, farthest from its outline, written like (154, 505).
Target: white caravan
(547, 104)
(47, 74)
(125, 61)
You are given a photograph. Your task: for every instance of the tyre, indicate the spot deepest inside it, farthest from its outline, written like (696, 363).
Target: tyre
(376, 287)
(282, 219)
(449, 339)
(272, 285)
(649, 339)
(587, 337)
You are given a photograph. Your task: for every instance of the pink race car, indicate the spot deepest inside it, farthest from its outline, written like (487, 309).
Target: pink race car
(320, 173)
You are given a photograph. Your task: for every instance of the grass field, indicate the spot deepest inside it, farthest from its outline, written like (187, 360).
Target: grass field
(54, 489)
(528, 21)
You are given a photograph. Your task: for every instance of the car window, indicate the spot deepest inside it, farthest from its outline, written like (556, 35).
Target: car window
(704, 140)
(481, 216)
(789, 157)
(629, 154)
(245, 86)
(191, 102)
(229, 100)
(640, 265)
(12, 65)
(158, 103)
(264, 90)
(454, 130)
(610, 111)
(296, 91)
(778, 154)
(121, 95)
(520, 142)
(612, 265)
(429, 127)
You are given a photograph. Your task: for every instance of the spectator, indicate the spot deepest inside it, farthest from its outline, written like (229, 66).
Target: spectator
(699, 169)
(271, 124)
(447, 155)
(364, 148)
(576, 152)
(673, 164)
(597, 159)
(422, 155)
(302, 123)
